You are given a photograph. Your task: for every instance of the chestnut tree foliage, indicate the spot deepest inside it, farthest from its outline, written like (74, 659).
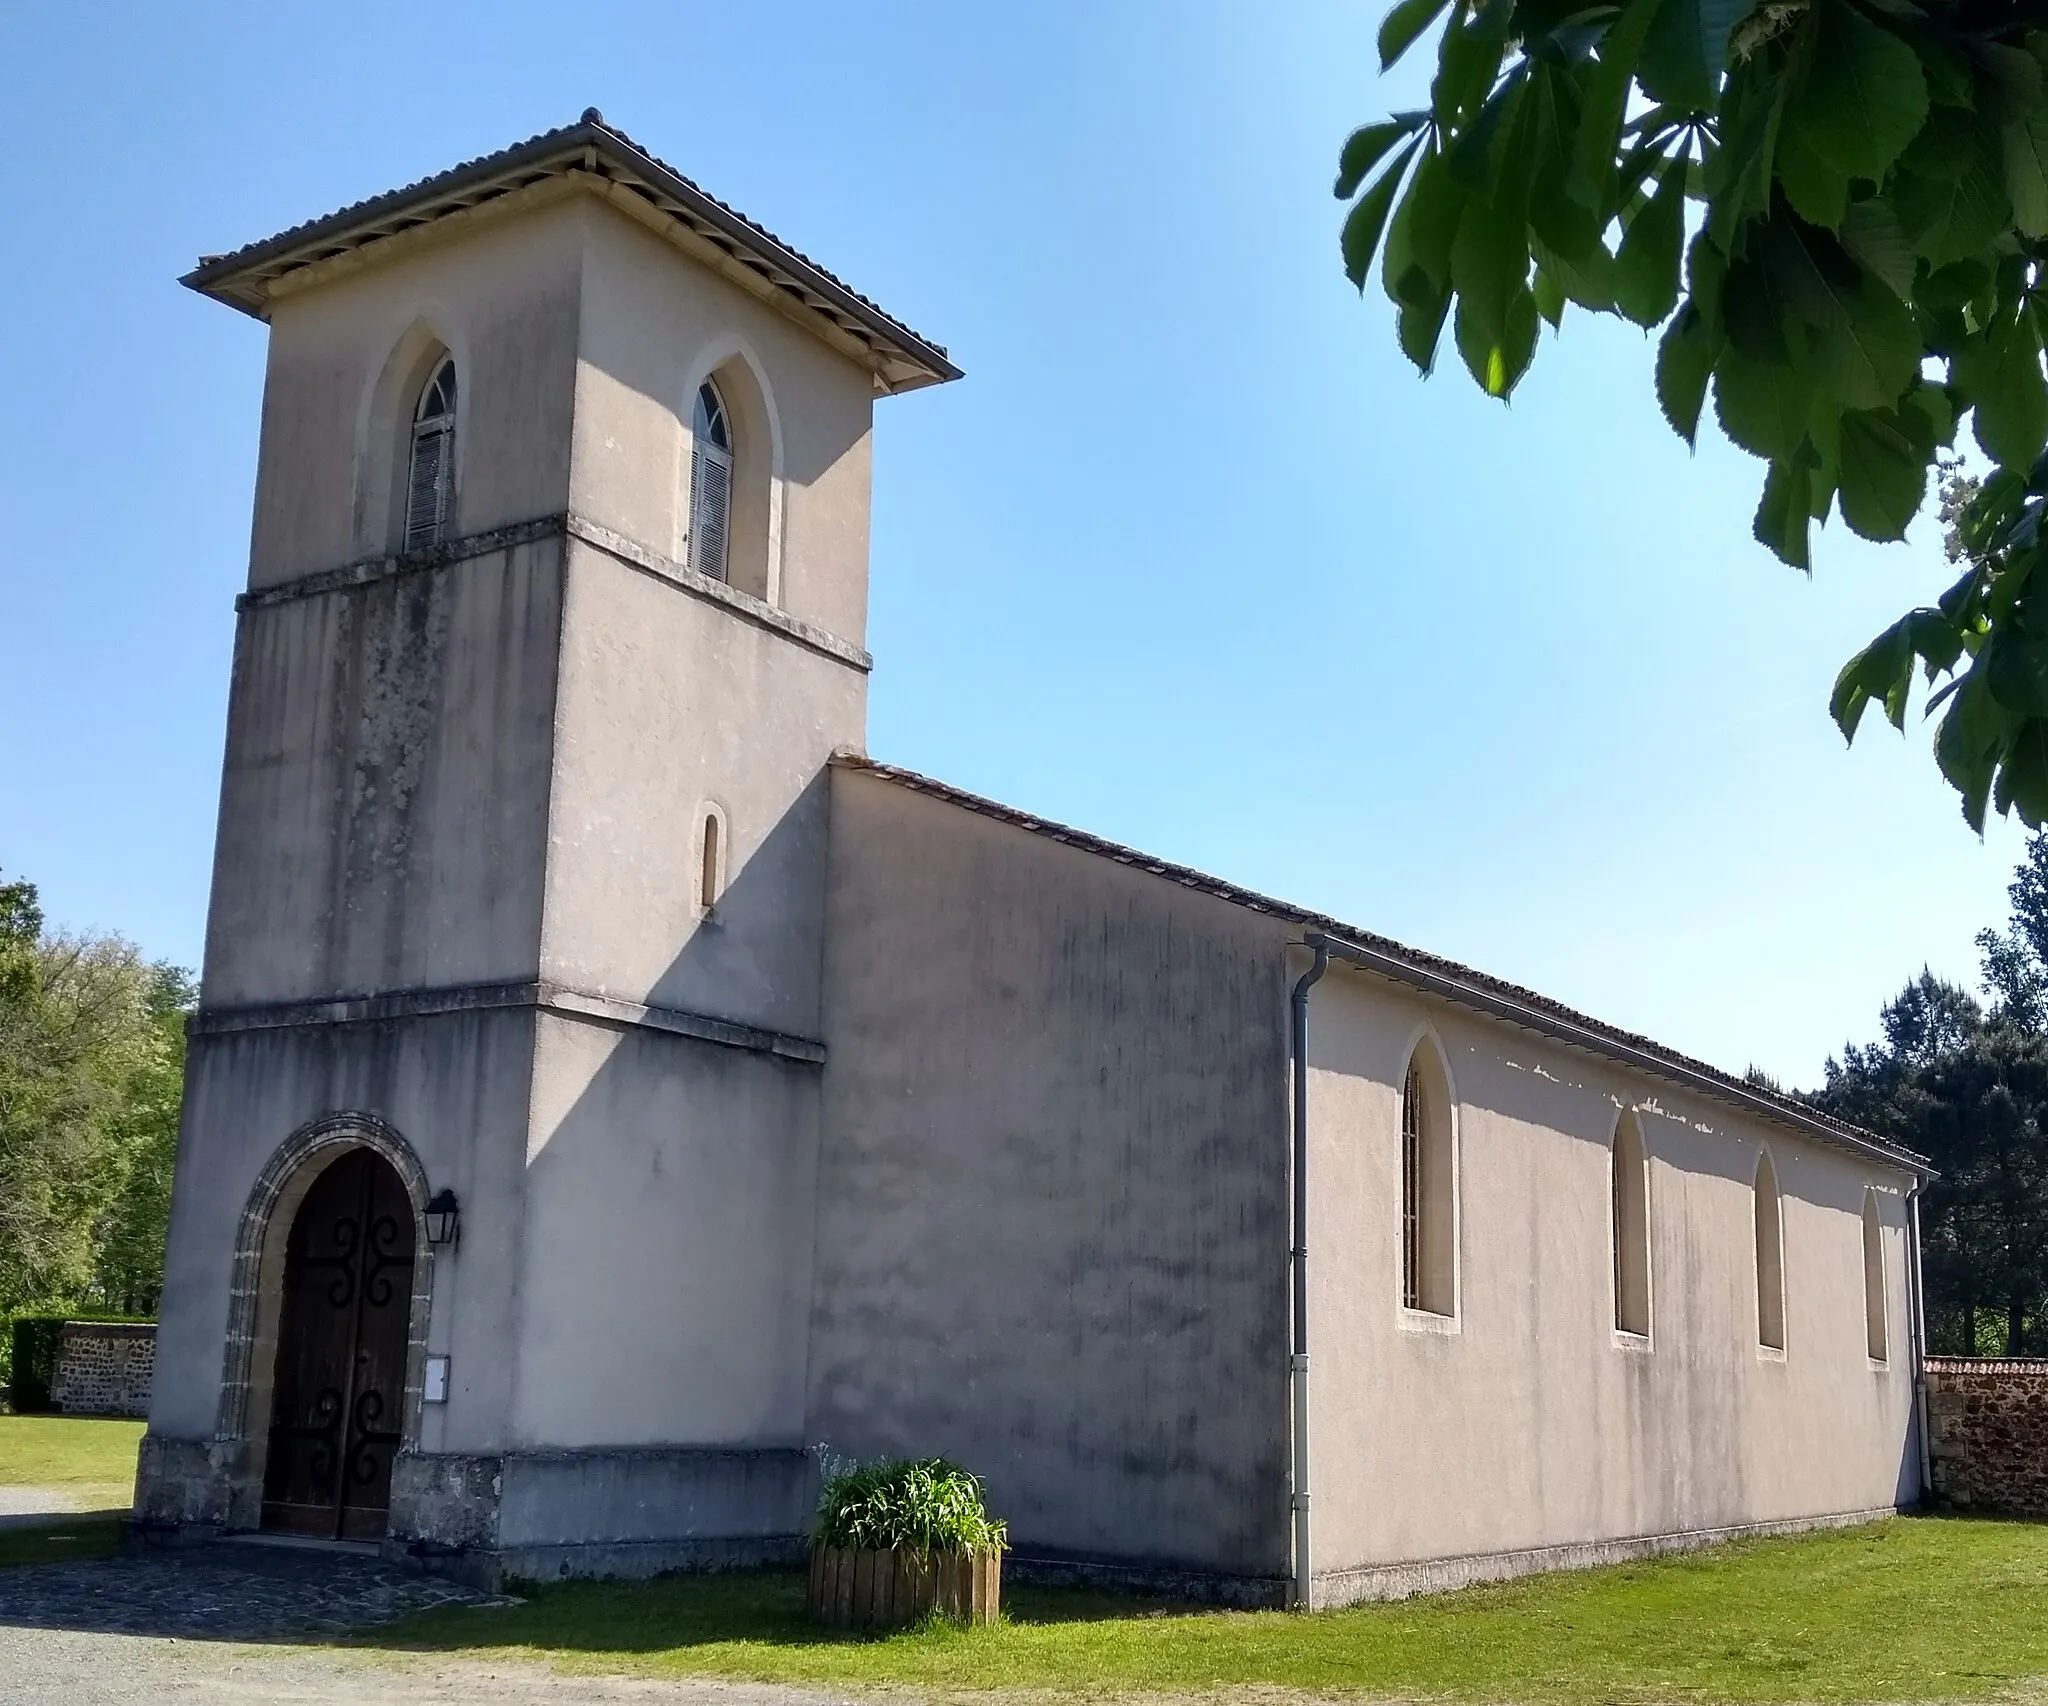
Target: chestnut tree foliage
(1837, 211)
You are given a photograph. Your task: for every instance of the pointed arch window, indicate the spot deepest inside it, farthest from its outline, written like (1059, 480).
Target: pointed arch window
(1630, 1216)
(710, 483)
(430, 472)
(1876, 1337)
(1429, 1274)
(1770, 1258)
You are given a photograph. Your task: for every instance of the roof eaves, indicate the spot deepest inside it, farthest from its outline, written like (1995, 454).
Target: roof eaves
(241, 278)
(1440, 977)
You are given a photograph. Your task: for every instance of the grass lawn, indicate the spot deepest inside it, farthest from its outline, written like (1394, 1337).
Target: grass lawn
(1908, 1609)
(91, 1458)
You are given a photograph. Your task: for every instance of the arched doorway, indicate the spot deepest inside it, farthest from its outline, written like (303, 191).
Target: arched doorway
(339, 1391)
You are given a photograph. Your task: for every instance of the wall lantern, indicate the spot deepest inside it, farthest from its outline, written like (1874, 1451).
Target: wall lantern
(444, 1219)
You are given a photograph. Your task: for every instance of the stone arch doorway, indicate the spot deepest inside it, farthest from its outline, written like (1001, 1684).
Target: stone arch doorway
(339, 1385)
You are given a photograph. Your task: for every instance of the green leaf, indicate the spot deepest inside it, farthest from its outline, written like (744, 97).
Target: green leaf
(1882, 671)
(1607, 90)
(2003, 379)
(1863, 99)
(1785, 512)
(1687, 50)
(1476, 157)
(1685, 359)
(1403, 24)
(1950, 189)
(1550, 298)
(1588, 281)
(1883, 475)
(1870, 352)
(2025, 136)
(1467, 65)
(2015, 668)
(1489, 267)
(1968, 743)
(1754, 309)
(1646, 266)
(1706, 273)
(1498, 358)
(1737, 173)
(1928, 414)
(1420, 327)
(1517, 346)
(1817, 188)
(1870, 232)
(1764, 409)
(1416, 267)
(1364, 149)
(2023, 774)
(1565, 224)
(1368, 218)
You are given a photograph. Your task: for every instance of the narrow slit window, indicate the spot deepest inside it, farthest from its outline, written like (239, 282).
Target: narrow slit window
(1875, 1327)
(1428, 1219)
(1770, 1258)
(430, 472)
(1630, 1215)
(707, 874)
(710, 483)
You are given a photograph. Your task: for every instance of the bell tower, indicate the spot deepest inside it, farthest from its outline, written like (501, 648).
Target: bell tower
(556, 612)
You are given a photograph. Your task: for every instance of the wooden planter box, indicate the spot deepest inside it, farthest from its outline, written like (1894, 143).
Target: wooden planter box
(887, 1590)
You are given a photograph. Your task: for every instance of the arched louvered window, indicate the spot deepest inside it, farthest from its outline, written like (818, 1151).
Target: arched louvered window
(1629, 1191)
(430, 477)
(1429, 1273)
(710, 483)
(1770, 1258)
(1876, 1337)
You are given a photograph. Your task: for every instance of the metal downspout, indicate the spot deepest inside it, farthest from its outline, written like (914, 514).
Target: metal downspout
(1304, 1577)
(1917, 1324)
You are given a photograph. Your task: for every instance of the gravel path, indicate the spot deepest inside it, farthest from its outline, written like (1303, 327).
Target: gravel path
(223, 1623)
(23, 1507)
(38, 1666)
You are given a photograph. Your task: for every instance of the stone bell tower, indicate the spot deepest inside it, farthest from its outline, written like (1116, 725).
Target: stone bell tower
(556, 611)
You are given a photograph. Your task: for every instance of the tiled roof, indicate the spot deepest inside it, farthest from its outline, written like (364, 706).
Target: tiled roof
(901, 357)
(1435, 975)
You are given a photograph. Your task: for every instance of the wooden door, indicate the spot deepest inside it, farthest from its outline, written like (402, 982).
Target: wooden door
(339, 1392)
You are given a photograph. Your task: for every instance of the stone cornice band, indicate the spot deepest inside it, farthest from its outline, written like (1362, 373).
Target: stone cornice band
(368, 571)
(483, 997)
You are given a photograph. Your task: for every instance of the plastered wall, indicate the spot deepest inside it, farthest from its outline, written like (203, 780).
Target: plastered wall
(384, 798)
(671, 707)
(502, 293)
(654, 324)
(455, 1088)
(1528, 1421)
(667, 1245)
(1052, 1219)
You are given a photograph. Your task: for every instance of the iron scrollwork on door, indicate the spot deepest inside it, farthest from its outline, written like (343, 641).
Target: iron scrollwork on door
(340, 1380)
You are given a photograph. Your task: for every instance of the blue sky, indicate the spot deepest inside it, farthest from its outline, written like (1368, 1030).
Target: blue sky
(1191, 557)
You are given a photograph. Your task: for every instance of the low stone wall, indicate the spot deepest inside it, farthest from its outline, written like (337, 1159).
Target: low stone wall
(104, 1368)
(1987, 1433)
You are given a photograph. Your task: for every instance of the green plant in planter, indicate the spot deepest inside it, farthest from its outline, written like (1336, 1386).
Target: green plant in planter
(923, 1506)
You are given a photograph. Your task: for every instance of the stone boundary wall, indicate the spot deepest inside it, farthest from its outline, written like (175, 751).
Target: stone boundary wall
(1987, 1433)
(104, 1368)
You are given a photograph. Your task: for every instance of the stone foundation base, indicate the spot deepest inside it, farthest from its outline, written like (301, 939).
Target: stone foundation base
(1153, 1581)
(537, 1515)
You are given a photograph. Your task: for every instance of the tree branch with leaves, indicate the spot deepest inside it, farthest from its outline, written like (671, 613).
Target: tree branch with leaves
(1837, 211)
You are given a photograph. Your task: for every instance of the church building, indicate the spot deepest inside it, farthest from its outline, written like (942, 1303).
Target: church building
(615, 1097)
